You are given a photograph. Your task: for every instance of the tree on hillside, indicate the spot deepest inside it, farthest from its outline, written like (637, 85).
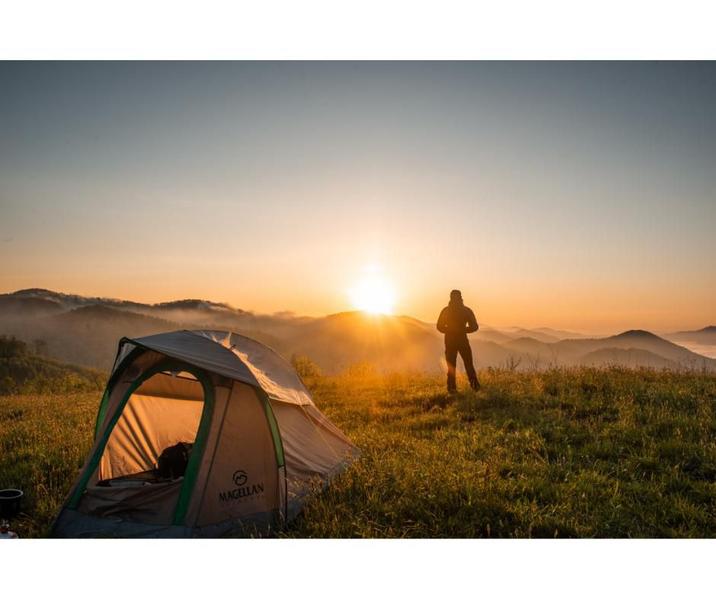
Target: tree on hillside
(11, 347)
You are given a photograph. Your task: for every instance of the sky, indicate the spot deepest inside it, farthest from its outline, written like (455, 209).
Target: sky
(568, 195)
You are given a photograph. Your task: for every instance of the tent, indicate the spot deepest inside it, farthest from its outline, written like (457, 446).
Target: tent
(258, 446)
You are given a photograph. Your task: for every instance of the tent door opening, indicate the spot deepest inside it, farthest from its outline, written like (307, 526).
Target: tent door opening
(156, 430)
(141, 472)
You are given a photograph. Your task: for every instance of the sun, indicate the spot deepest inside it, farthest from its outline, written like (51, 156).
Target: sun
(373, 294)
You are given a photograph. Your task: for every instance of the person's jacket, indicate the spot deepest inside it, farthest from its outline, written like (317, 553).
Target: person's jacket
(456, 320)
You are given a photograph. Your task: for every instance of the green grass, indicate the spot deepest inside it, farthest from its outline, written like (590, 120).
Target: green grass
(565, 453)
(44, 440)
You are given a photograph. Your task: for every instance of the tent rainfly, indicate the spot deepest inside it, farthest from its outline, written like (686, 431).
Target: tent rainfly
(255, 445)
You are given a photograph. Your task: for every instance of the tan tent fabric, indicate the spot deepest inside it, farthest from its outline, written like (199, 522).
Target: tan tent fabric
(249, 413)
(235, 356)
(198, 350)
(312, 449)
(244, 478)
(273, 374)
(147, 504)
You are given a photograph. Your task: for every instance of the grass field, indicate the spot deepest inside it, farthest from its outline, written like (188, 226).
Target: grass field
(563, 453)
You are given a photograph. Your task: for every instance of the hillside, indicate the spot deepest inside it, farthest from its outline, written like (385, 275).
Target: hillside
(608, 453)
(546, 338)
(492, 335)
(22, 372)
(86, 331)
(88, 335)
(632, 357)
(339, 340)
(528, 345)
(574, 350)
(12, 306)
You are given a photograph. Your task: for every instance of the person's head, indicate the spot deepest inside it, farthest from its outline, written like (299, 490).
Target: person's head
(456, 296)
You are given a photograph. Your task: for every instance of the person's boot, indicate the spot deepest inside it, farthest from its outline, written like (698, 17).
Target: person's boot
(451, 386)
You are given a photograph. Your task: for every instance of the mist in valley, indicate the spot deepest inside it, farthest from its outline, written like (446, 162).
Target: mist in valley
(85, 331)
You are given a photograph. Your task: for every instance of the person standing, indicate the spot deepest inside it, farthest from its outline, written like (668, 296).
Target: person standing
(457, 320)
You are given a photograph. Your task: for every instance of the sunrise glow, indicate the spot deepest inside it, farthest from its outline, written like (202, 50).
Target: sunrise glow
(543, 191)
(373, 293)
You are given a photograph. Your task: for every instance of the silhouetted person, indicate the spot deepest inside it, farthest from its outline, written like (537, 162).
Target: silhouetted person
(456, 320)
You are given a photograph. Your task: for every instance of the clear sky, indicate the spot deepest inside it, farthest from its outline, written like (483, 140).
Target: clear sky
(575, 195)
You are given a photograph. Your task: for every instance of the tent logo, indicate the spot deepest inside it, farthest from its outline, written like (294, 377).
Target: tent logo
(240, 478)
(243, 489)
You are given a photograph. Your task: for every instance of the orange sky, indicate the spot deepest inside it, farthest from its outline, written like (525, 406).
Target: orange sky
(572, 195)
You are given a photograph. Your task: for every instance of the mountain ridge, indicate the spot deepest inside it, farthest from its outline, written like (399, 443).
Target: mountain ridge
(85, 331)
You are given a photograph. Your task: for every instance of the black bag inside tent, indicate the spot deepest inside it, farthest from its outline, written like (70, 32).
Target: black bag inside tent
(172, 461)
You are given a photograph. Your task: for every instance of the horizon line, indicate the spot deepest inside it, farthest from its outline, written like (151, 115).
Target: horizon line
(295, 315)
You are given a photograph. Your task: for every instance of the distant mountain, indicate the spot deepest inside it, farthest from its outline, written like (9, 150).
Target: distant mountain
(389, 342)
(533, 352)
(534, 334)
(701, 341)
(527, 344)
(543, 334)
(85, 331)
(560, 334)
(574, 350)
(68, 301)
(178, 310)
(194, 305)
(88, 335)
(25, 307)
(633, 357)
(493, 335)
(629, 348)
(337, 341)
(705, 336)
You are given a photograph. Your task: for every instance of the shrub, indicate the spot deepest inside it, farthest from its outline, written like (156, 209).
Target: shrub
(305, 367)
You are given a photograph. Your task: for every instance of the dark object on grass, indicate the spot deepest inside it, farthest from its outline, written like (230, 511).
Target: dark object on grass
(10, 500)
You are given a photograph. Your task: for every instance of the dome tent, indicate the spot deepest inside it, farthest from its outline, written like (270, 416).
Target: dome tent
(259, 444)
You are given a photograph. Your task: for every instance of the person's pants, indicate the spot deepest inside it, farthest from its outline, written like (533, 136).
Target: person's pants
(452, 349)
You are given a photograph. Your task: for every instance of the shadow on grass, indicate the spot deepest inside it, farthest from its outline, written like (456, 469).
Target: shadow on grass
(437, 402)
